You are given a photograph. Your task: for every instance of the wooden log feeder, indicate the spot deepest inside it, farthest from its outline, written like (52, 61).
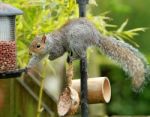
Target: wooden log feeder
(99, 91)
(8, 51)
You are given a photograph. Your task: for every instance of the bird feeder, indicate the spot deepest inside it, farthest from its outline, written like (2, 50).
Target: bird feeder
(7, 37)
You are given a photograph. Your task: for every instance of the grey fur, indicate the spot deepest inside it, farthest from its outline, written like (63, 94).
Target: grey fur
(34, 60)
(79, 34)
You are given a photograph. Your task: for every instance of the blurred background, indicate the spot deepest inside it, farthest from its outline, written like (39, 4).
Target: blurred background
(43, 16)
(124, 101)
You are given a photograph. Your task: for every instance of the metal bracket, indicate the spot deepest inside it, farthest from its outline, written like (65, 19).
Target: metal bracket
(12, 74)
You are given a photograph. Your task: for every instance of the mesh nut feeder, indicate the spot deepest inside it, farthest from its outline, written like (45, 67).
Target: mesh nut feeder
(8, 63)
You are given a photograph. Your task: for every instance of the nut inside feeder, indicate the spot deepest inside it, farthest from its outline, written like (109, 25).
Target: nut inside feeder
(7, 37)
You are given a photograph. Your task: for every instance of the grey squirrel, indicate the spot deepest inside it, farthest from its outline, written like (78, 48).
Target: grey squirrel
(79, 34)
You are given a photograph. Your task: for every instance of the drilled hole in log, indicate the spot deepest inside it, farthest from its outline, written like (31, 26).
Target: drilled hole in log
(106, 90)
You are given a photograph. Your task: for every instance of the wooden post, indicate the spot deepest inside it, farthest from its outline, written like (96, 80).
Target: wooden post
(83, 67)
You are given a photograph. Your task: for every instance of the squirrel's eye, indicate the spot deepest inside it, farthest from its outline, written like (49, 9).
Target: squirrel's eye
(38, 45)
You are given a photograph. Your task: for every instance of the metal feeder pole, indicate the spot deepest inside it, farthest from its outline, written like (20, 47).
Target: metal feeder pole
(83, 67)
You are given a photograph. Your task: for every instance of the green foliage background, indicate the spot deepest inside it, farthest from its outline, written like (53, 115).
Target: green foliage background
(43, 16)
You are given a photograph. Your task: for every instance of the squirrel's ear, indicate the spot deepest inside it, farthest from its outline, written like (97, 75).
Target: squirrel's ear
(43, 38)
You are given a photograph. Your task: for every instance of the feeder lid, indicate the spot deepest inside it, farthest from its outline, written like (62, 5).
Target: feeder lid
(8, 10)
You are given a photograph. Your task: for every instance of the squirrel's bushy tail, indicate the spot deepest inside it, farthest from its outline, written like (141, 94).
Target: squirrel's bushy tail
(130, 59)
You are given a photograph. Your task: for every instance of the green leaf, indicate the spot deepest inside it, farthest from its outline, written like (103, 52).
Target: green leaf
(122, 26)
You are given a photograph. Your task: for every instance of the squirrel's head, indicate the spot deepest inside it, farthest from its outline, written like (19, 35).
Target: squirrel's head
(41, 46)
(38, 45)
